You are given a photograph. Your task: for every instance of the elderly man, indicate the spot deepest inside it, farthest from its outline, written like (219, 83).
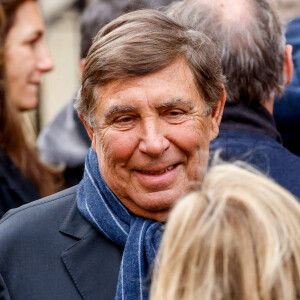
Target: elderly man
(151, 100)
(257, 64)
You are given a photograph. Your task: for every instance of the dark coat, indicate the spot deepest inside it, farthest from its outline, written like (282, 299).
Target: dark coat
(263, 152)
(287, 108)
(15, 189)
(249, 134)
(49, 251)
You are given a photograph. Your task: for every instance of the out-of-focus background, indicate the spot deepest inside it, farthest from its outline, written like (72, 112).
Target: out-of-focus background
(62, 36)
(62, 18)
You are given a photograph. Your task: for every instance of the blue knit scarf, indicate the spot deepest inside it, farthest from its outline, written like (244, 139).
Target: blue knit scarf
(138, 236)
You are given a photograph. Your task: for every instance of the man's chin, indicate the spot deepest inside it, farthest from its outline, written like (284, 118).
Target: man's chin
(154, 206)
(159, 216)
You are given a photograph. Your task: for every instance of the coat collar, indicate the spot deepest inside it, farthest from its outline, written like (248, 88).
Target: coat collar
(75, 225)
(252, 117)
(93, 262)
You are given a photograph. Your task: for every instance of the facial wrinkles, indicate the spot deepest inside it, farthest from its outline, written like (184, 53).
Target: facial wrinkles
(164, 113)
(202, 149)
(150, 122)
(154, 130)
(203, 158)
(200, 126)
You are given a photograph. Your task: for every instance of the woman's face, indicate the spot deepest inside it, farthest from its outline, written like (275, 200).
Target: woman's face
(26, 56)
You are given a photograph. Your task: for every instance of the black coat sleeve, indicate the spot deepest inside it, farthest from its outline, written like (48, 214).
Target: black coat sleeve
(4, 294)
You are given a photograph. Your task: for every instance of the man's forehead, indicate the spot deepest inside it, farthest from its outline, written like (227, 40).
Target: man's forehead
(116, 108)
(136, 98)
(173, 82)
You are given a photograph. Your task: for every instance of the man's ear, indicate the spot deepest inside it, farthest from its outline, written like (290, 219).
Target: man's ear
(288, 64)
(90, 131)
(216, 116)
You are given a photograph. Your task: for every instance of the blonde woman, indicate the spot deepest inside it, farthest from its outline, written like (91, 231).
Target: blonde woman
(236, 238)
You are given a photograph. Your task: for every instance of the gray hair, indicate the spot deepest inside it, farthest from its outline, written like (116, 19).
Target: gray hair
(143, 42)
(250, 39)
(98, 13)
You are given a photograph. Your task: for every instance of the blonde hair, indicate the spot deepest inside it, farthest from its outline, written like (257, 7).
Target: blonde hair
(236, 238)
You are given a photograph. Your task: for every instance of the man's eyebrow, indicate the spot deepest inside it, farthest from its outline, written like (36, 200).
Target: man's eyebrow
(176, 102)
(118, 109)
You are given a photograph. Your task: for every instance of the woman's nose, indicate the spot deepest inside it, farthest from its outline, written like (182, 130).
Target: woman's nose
(45, 62)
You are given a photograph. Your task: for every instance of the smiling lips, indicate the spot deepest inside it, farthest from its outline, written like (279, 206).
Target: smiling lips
(158, 172)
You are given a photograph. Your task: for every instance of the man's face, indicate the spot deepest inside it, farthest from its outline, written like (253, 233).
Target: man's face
(26, 56)
(152, 138)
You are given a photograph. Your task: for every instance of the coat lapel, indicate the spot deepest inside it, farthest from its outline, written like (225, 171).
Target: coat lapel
(93, 262)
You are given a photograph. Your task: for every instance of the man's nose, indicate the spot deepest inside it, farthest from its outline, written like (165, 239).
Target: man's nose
(153, 141)
(44, 60)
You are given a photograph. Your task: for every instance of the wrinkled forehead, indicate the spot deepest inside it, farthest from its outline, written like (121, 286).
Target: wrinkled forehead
(176, 77)
(169, 85)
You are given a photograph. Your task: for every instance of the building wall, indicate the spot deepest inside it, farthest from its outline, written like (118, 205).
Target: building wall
(60, 85)
(62, 38)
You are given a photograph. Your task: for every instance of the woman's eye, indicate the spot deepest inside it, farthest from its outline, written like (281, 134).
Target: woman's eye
(33, 40)
(32, 43)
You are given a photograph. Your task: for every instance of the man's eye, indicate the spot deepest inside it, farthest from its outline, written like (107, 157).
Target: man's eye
(124, 120)
(177, 113)
(174, 115)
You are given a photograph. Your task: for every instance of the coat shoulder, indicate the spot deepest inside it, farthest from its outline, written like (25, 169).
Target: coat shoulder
(40, 215)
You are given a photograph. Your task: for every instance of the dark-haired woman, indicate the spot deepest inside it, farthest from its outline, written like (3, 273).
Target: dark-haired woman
(24, 58)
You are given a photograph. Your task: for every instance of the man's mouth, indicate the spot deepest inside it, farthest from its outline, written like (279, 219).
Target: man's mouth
(158, 172)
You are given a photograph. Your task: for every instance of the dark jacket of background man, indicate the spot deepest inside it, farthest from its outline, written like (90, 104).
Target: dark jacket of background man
(287, 107)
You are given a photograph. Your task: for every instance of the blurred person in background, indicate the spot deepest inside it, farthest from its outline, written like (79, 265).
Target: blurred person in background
(24, 58)
(64, 140)
(258, 65)
(236, 238)
(287, 107)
